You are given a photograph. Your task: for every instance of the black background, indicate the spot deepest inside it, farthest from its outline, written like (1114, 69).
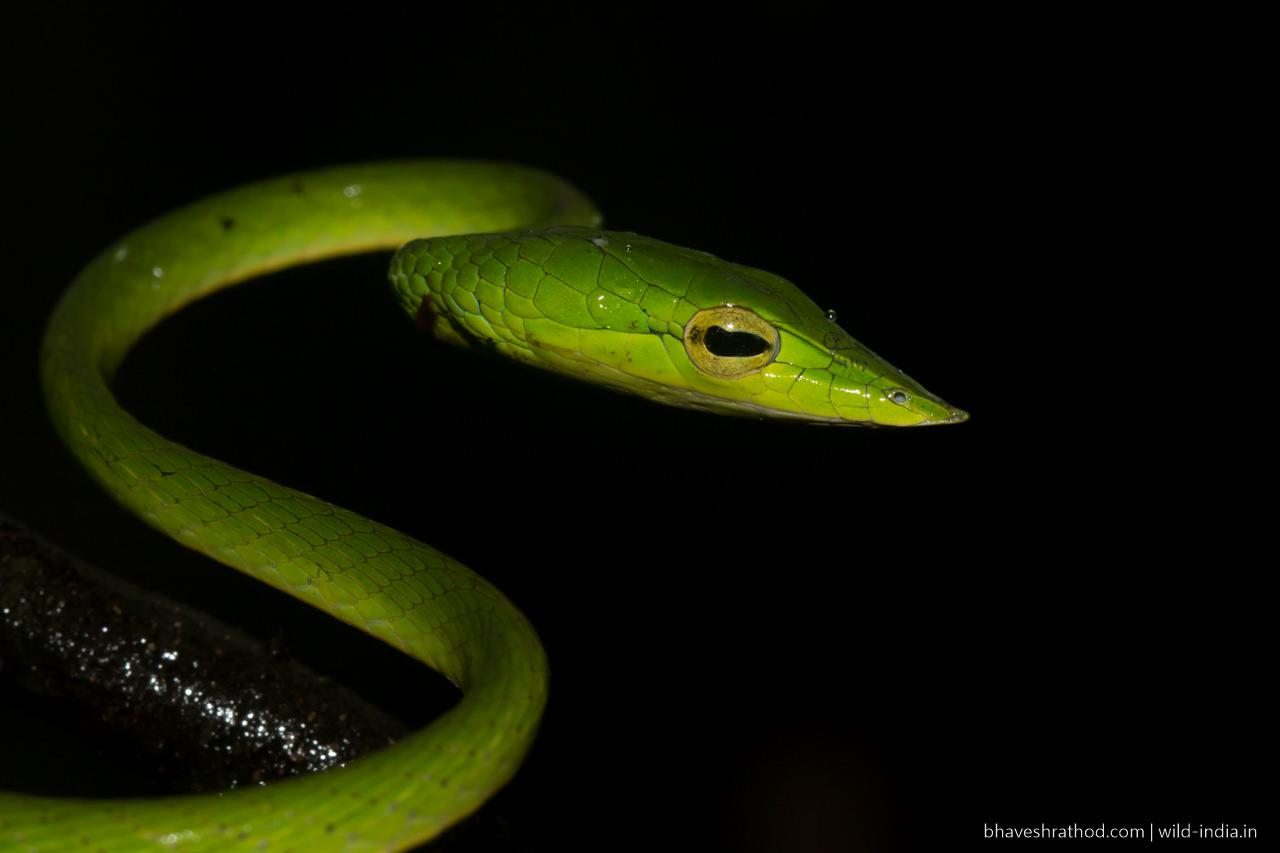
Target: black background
(764, 637)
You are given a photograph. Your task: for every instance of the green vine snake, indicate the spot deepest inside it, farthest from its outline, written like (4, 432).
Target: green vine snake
(488, 254)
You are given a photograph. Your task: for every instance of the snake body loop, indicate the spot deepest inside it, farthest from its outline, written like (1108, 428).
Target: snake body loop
(535, 279)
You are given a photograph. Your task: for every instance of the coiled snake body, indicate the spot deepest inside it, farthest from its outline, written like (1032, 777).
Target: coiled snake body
(536, 279)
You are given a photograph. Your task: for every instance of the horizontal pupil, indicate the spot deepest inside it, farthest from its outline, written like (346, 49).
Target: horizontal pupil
(727, 344)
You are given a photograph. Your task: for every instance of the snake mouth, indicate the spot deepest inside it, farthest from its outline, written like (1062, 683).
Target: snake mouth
(957, 416)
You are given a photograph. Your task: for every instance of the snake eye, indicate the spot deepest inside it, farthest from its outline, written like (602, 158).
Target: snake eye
(729, 342)
(726, 344)
(899, 396)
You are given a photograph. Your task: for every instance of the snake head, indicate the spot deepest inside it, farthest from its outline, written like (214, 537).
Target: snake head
(794, 359)
(672, 324)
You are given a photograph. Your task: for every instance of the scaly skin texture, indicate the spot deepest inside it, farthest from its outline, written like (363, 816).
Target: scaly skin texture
(612, 308)
(558, 293)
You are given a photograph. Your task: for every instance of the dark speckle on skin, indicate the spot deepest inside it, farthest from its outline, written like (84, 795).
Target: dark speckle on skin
(298, 188)
(227, 223)
(426, 316)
